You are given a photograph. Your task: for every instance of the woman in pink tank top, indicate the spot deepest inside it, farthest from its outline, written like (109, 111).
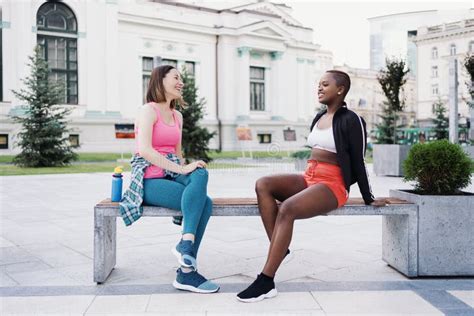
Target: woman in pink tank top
(168, 182)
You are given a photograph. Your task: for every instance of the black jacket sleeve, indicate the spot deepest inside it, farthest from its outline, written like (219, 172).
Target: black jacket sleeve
(357, 144)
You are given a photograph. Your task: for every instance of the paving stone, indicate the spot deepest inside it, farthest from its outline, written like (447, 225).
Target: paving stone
(226, 302)
(374, 303)
(113, 304)
(62, 305)
(465, 296)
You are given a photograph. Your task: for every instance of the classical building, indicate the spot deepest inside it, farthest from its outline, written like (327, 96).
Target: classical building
(255, 65)
(436, 46)
(366, 97)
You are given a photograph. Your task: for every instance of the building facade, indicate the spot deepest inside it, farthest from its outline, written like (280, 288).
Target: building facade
(255, 65)
(436, 46)
(366, 98)
(390, 34)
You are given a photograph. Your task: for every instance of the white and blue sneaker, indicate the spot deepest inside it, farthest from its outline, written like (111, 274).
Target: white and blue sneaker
(194, 282)
(184, 251)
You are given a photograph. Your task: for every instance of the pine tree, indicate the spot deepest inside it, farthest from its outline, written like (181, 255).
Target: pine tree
(469, 66)
(387, 128)
(440, 121)
(391, 79)
(43, 139)
(195, 137)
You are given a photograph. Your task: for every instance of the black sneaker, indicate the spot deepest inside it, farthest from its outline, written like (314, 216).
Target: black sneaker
(263, 287)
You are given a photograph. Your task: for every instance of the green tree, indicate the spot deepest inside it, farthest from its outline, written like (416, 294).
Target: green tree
(469, 65)
(195, 137)
(43, 138)
(387, 128)
(391, 79)
(440, 121)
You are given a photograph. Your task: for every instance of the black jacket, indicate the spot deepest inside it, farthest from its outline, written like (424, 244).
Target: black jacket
(351, 140)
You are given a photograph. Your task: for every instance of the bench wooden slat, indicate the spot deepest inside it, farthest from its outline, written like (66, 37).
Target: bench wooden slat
(253, 202)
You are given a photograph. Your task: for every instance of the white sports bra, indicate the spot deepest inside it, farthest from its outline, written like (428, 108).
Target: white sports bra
(322, 139)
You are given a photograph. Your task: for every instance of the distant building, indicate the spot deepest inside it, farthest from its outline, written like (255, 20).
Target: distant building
(366, 97)
(436, 45)
(390, 34)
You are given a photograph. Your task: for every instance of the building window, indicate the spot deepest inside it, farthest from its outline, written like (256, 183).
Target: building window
(170, 62)
(190, 68)
(3, 141)
(147, 68)
(74, 140)
(471, 46)
(257, 89)
(434, 89)
(452, 49)
(57, 37)
(264, 138)
(362, 103)
(434, 72)
(434, 53)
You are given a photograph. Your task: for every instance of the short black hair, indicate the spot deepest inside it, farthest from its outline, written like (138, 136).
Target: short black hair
(342, 79)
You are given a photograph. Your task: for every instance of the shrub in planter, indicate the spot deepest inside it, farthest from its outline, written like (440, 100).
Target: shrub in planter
(438, 168)
(301, 154)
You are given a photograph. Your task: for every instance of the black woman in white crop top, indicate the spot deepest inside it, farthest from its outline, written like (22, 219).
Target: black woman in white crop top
(338, 144)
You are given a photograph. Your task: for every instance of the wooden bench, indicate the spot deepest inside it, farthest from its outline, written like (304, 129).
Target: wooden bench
(106, 212)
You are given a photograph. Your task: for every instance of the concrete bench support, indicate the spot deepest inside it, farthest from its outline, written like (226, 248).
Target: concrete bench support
(397, 214)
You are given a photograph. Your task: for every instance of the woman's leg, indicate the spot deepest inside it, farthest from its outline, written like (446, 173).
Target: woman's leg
(193, 200)
(206, 214)
(272, 188)
(315, 200)
(197, 208)
(163, 192)
(170, 194)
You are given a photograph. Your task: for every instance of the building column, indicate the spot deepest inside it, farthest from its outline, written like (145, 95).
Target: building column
(243, 95)
(278, 99)
(19, 40)
(112, 63)
(309, 100)
(301, 97)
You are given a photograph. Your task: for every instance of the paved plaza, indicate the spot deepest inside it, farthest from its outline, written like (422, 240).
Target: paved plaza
(335, 267)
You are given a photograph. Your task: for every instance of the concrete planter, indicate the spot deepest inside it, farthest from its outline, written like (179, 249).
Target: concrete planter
(300, 164)
(445, 233)
(469, 150)
(388, 159)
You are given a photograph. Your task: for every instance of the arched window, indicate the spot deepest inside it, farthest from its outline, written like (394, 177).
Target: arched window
(434, 53)
(57, 37)
(452, 49)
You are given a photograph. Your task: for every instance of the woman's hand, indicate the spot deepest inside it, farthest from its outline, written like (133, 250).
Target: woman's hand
(379, 202)
(193, 166)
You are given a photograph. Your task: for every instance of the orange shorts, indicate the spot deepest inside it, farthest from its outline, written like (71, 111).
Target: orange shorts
(329, 175)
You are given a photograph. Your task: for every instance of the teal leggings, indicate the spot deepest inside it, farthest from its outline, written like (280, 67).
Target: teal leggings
(187, 193)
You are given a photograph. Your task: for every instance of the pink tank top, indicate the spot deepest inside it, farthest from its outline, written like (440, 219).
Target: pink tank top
(164, 140)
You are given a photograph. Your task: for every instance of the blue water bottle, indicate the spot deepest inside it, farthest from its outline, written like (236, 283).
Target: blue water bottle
(117, 185)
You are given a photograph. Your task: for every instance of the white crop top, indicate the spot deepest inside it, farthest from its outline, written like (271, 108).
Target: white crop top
(322, 139)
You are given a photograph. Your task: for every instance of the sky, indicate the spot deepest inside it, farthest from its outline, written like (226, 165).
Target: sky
(342, 26)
